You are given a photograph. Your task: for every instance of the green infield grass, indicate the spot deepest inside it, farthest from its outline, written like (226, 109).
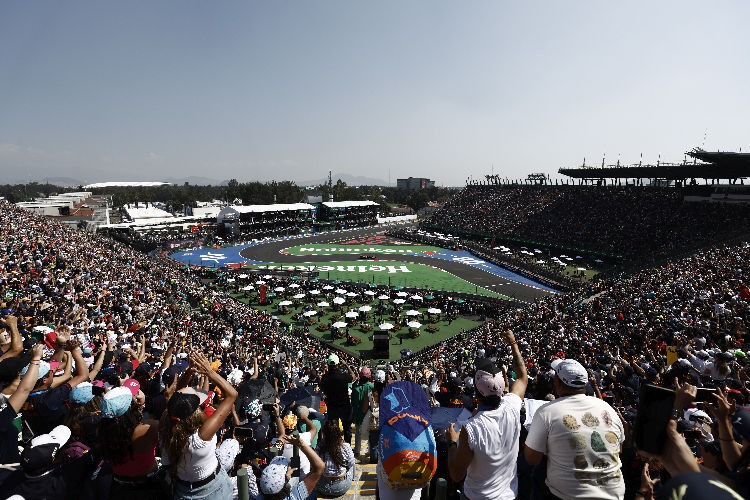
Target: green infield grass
(389, 273)
(401, 338)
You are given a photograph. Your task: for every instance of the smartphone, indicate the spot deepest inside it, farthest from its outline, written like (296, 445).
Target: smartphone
(705, 395)
(654, 410)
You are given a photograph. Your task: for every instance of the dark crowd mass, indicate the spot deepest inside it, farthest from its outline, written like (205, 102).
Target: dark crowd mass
(125, 375)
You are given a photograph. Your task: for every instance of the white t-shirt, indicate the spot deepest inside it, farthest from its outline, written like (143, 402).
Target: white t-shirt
(494, 437)
(199, 460)
(581, 436)
(304, 462)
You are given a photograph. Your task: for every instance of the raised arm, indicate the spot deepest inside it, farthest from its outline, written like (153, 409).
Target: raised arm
(214, 422)
(18, 398)
(519, 366)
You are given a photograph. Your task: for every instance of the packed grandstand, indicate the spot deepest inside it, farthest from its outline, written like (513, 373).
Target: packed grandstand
(127, 374)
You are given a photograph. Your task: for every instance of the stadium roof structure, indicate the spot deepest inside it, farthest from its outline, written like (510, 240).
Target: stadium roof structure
(345, 204)
(714, 165)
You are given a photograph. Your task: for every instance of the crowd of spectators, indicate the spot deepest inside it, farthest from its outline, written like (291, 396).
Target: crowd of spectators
(124, 376)
(628, 221)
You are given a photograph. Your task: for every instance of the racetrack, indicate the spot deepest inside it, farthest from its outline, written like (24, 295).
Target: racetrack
(271, 252)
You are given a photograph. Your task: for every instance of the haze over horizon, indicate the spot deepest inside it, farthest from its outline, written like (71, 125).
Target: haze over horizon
(102, 91)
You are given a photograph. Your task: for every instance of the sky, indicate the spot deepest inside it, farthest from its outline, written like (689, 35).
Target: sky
(288, 90)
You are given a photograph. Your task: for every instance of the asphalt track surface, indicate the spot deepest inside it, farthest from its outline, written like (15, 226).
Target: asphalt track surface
(271, 252)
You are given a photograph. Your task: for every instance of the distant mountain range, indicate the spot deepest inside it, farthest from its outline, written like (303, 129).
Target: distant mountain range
(351, 180)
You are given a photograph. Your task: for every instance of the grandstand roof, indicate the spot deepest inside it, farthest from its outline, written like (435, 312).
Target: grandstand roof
(718, 165)
(276, 207)
(344, 204)
(150, 212)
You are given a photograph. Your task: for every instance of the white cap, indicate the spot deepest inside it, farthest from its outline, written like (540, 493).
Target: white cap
(572, 373)
(59, 436)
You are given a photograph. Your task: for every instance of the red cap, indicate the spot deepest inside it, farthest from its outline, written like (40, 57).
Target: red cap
(132, 385)
(50, 340)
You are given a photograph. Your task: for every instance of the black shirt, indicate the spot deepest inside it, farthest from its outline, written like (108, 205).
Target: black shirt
(45, 410)
(335, 385)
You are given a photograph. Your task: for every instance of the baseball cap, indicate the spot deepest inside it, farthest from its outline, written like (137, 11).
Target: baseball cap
(39, 456)
(116, 402)
(132, 385)
(741, 423)
(488, 380)
(253, 409)
(555, 363)
(572, 373)
(82, 393)
(50, 340)
(333, 358)
(273, 478)
(698, 486)
(44, 368)
(182, 405)
(365, 372)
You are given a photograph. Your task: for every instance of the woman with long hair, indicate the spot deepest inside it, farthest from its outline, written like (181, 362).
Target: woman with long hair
(83, 414)
(339, 460)
(188, 438)
(128, 444)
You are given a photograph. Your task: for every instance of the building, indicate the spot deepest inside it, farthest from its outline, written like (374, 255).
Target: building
(346, 214)
(259, 221)
(79, 209)
(415, 183)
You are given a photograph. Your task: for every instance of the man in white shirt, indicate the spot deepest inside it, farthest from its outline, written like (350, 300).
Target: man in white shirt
(486, 450)
(582, 437)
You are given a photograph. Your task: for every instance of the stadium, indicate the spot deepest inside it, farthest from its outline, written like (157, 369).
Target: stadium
(636, 285)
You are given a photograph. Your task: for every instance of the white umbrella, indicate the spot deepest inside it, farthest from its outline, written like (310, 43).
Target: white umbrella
(434, 310)
(338, 300)
(323, 304)
(314, 292)
(310, 313)
(285, 303)
(299, 296)
(568, 258)
(398, 301)
(260, 282)
(365, 308)
(230, 280)
(278, 289)
(386, 326)
(328, 287)
(563, 256)
(402, 294)
(383, 297)
(415, 297)
(536, 250)
(412, 312)
(242, 276)
(294, 285)
(369, 292)
(351, 294)
(581, 268)
(339, 324)
(267, 277)
(351, 314)
(540, 261)
(340, 290)
(598, 261)
(578, 257)
(248, 287)
(414, 324)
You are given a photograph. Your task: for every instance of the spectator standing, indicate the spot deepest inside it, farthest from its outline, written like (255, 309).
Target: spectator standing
(581, 436)
(360, 409)
(335, 386)
(486, 449)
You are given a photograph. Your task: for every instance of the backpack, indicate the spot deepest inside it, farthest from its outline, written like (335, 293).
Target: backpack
(407, 453)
